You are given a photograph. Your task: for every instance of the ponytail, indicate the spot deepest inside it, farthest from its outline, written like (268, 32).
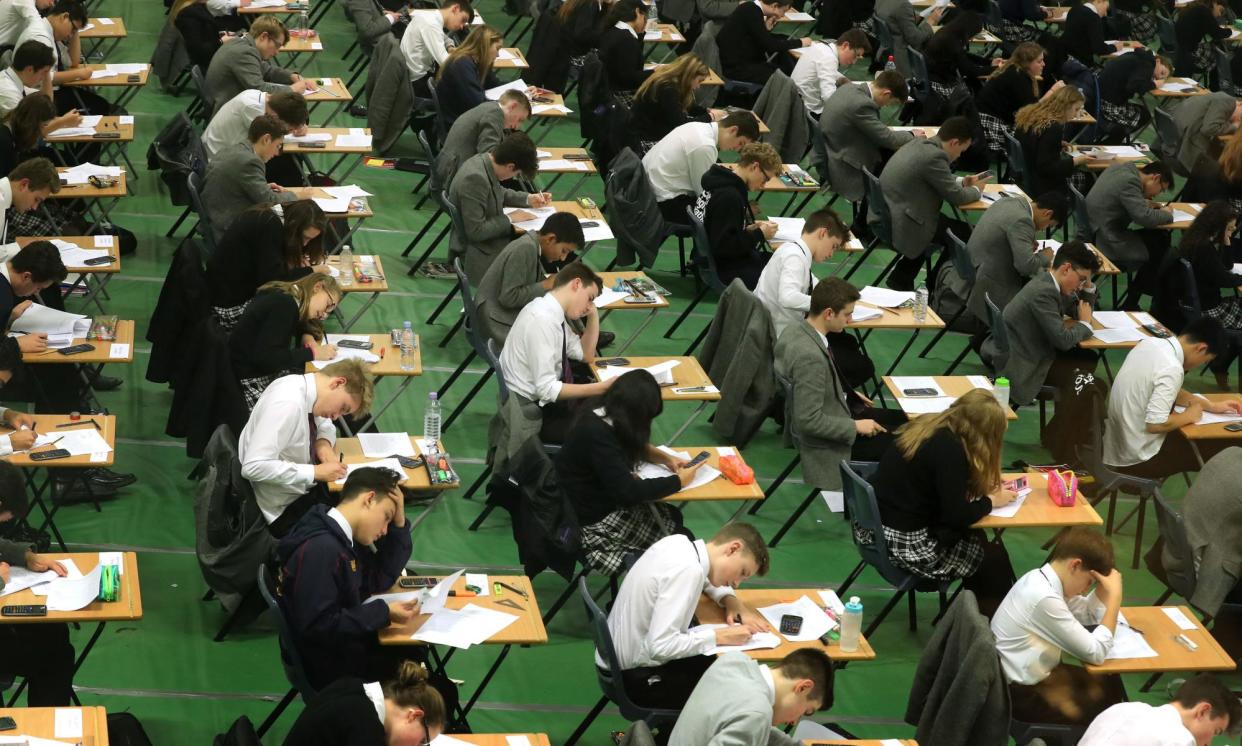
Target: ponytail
(410, 689)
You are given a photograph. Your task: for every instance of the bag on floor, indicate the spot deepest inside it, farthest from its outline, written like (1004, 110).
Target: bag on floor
(127, 242)
(240, 733)
(125, 730)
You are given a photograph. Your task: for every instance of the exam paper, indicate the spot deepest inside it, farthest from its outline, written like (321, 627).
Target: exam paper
(72, 255)
(884, 297)
(705, 474)
(382, 445)
(72, 132)
(652, 35)
(72, 594)
(1116, 336)
(447, 740)
(82, 441)
(757, 641)
(561, 164)
(517, 741)
(662, 372)
(67, 722)
(788, 229)
(1129, 644)
(353, 141)
(384, 463)
(464, 627)
(494, 94)
(505, 54)
(980, 382)
(39, 318)
(798, 16)
(309, 137)
(1010, 510)
(20, 579)
(1180, 619)
(71, 571)
(865, 313)
(1115, 319)
(347, 353)
(81, 173)
(925, 405)
(904, 383)
(349, 191)
(1181, 216)
(541, 108)
(832, 601)
(332, 205)
(815, 623)
(610, 296)
(1212, 418)
(1143, 317)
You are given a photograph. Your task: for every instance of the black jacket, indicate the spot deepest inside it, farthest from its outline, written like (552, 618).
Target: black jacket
(621, 53)
(1018, 11)
(1127, 76)
(247, 257)
(948, 60)
(1047, 163)
(659, 112)
(182, 304)
(1002, 95)
(266, 340)
(1212, 274)
(549, 54)
(340, 715)
(1084, 34)
(460, 89)
(200, 32)
(929, 491)
(582, 30)
(1193, 25)
(745, 40)
(324, 580)
(731, 232)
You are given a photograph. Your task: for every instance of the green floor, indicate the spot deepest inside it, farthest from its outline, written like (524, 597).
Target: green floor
(185, 688)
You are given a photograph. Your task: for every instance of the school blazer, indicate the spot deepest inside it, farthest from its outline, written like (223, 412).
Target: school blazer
(480, 199)
(1114, 203)
(916, 181)
(1200, 120)
(1002, 250)
(820, 411)
(514, 279)
(479, 130)
(856, 136)
(236, 180)
(1033, 320)
(909, 30)
(237, 67)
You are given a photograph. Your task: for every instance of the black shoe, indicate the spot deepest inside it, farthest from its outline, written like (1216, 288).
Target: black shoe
(75, 491)
(605, 339)
(106, 383)
(108, 478)
(358, 110)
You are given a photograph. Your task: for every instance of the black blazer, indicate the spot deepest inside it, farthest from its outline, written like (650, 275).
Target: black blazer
(1083, 36)
(947, 59)
(266, 340)
(930, 490)
(1048, 164)
(339, 715)
(581, 30)
(621, 53)
(200, 32)
(1212, 275)
(460, 89)
(248, 256)
(1127, 76)
(1193, 25)
(659, 112)
(1002, 95)
(745, 40)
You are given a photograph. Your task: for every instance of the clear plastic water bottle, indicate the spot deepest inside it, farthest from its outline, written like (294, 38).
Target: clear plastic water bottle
(431, 419)
(1000, 390)
(851, 625)
(346, 259)
(891, 64)
(407, 350)
(920, 304)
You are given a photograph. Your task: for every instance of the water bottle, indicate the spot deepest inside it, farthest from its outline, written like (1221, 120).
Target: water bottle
(431, 419)
(851, 625)
(920, 304)
(891, 64)
(301, 25)
(346, 258)
(1000, 390)
(407, 356)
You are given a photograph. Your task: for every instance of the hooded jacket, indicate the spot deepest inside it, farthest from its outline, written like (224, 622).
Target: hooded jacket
(724, 208)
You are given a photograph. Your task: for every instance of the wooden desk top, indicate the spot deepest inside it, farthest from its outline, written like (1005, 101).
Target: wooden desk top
(1194, 208)
(99, 30)
(686, 374)
(277, 9)
(776, 185)
(709, 613)
(88, 191)
(1095, 344)
(527, 630)
(378, 284)
(983, 37)
(1159, 630)
(897, 318)
(712, 78)
(794, 15)
(954, 386)
(1198, 90)
(573, 208)
(1099, 164)
(979, 204)
(1126, 45)
(126, 607)
(330, 146)
(610, 279)
(519, 63)
(41, 722)
(46, 423)
(362, 212)
(1038, 511)
(1216, 430)
(86, 242)
(415, 479)
(500, 739)
(311, 42)
(668, 34)
(106, 124)
(719, 489)
(333, 90)
(556, 100)
(560, 154)
(388, 365)
(119, 80)
(101, 354)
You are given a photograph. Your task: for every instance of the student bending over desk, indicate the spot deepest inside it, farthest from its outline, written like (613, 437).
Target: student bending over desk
(401, 711)
(676, 164)
(423, 44)
(787, 280)
(1202, 709)
(480, 130)
(737, 241)
(29, 73)
(621, 47)
(466, 73)
(246, 63)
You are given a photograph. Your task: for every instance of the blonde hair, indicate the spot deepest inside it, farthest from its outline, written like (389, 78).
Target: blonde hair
(979, 422)
(1023, 55)
(357, 375)
(681, 74)
(1057, 108)
(301, 291)
(763, 154)
(1230, 159)
(478, 47)
(269, 25)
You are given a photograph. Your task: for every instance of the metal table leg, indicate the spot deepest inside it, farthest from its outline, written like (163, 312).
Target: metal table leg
(693, 416)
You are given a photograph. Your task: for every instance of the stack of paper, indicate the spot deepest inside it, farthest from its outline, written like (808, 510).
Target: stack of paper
(1115, 320)
(652, 34)
(1182, 216)
(1128, 643)
(71, 571)
(1178, 85)
(1212, 418)
(347, 353)
(537, 109)
(72, 132)
(382, 445)
(980, 382)
(562, 164)
(130, 68)
(348, 191)
(81, 173)
(309, 137)
(20, 579)
(788, 229)
(662, 372)
(430, 600)
(590, 233)
(385, 463)
(885, 298)
(505, 54)
(1010, 510)
(462, 628)
(610, 296)
(706, 473)
(267, 3)
(10, 740)
(72, 594)
(357, 138)
(798, 16)
(332, 205)
(1047, 243)
(494, 94)
(1117, 336)
(757, 641)
(815, 623)
(72, 255)
(865, 313)
(60, 327)
(80, 441)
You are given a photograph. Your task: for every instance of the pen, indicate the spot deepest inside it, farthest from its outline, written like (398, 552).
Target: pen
(518, 591)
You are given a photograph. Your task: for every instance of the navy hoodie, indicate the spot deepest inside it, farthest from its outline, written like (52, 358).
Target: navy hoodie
(323, 582)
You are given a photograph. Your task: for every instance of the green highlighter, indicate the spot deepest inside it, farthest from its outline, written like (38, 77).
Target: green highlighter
(109, 583)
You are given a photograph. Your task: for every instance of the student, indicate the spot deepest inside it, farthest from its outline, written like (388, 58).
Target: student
(618, 510)
(1043, 349)
(281, 331)
(22, 130)
(200, 31)
(677, 163)
(32, 64)
(1122, 195)
(409, 710)
(263, 245)
(237, 179)
(1013, 85)
(786, 283)
(537, 354)
(856, 136)
(1201, 121)
(661, 659)
(480, 199)
(1044, 616)
(916, 181)
(423, 43)
(818, 71)
(1002, 248)
(24, 190)
(737, 241)
(466, 73)
(231, 123)
(373, 20)
(1143, 435)
(581, 24)
(331, 562)
(42, 653)
(15, 15)
(286, 466)
(1018, 19)
(621, 47)
(480, 130)
(22, 424)
(948, 60)
(1202, 709)
(746, 42)
(1124, 80)
(939, 477)
(246, 63)
(523, 272)
(36, 267)
(1083, 35)
(665, 101)
(1197, 29)
(909, 29)
(58, 31)
(741, 701)
(1220, 177)
(1040, 129)
(1212, 514)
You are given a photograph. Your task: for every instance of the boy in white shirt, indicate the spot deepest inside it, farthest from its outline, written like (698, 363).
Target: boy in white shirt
(818, 71)
(676, 164)
(1203, 709)
(423, 43)
(786, 283)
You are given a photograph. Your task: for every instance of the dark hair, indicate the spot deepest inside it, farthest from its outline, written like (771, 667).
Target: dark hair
(266, 125)
(622, 11)
(962, 27)
(832, 293)
(1208, 228)
(893, 82)
(39, 172)
(1162, 168)
(1207, 331)
(751, 539)
(463, 5)
(26, 120)
(10, 358)
(517, 149)
(75, 9)
(290, 107)
(956, 128)
(857, 39)
(632, 402)
(747, 125)
(826, 218)
(1205, 687)
(42, 260)
(13, 498)
(1078, 256)
(298, 216)
(411, 689)
(1086, 544)
(381, 481)
(576, 270)
(565, 226)
(1055, 201)
(34, 54)
(813, 664)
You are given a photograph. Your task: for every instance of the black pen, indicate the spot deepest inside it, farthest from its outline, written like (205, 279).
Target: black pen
(518, 591)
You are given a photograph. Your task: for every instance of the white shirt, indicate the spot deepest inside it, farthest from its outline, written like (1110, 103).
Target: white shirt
(1138, 724)
(816, 75)
(375, 692)
(785, 285)
(10, 249)
(231, 124)
(275, 445)
(12, 91)
(339, 517)
(531, 358)
(766, 673)
(678, 161)
(423, 42)
(222, 7)
(1035, 623)
(14, 16)
(1143, 393)
(650, 619)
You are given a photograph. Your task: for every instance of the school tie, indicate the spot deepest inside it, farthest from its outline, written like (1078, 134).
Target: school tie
(567, 374)
(310, 420)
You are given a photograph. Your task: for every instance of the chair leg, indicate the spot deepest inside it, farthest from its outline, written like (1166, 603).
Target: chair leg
(461, 368)
(280, 709)
(586, 722)
(173, 230)
(1168, 592)
(776, 483)
(913, 611)
(487, 472)
(684, 314)
(806, 503)
(562, 599)
(697, 340)
(883, 613)
(453, 330)
(419, 236)
(853, 576)
(1138, 531)
(231, 621)
(1147, 685)
(940, 334)
(958, 360)
(443, 304)
(461, 406)
(487, 510)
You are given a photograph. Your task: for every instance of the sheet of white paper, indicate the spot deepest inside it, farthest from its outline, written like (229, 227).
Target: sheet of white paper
(515, 85)
(347, 353)
(1129, 644)
(652, 35)
(834, 499)
(517, 741)
(1143, 317)
(353, 141)
(348, 191)
(1181, 216)
(81, 441)
(705, 474)
(1010, 510)
(118, 350)
(309, 137)
(1115, 319)
(127, 68)
(832, 601)
(103, 242)
(385, 463)
(815, 623)
(479, 580)
(1180, 619)
(505, 54)
(105, 21)
(332, 205)
(865, 313)
(757, 641)
(600, 232)
(1211, 418)
(76, 258)
(433, 599)
(382, 445)
(72, 132)
(33, 741)
(39, 318)
(71, 571)
(1116, 336)
(1178, 87)
(561, 164)
(71, 594)
(695, 390)
(125, 119)
(1237, 269)
(609, 296)
(461, 628)
(788, 229)
(798, 16)
(884, 297)
(890, 742)
(67, 722)
(20, 579)
(903, 383)
(543, 108)
(1047, 243)
(925, 405)
(980, 382)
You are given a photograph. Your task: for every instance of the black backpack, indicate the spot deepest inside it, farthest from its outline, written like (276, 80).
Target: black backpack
(175, 152)
(125, 730)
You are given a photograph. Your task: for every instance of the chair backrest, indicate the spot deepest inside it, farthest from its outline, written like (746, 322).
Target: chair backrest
(876, 203)
(491, 353)
(866, 530)
(471, 323)
(787, 389)
(205, 96)
(1188, 298)
(1017, 160)
(194, 184)
(295, 671)
(1167, 33)
(993, 16)
(454, 214)
(996, 323)
(1166, 128)
(884, 34)
(918, 69)
(1172, 528)
(1224, 68)
(433, 156)
(1083, 228)
(705, 260)
(961, 258)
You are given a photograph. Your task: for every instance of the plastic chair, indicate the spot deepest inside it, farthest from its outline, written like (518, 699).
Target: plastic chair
(885, 34)
(206, 101)
(1170, 139)
(205, 228)
(919, 71)
(790, 430)
(1224, 70)
(704, 265)
(434, 187)
(478, 346)
(882, 226)
(1167, 33)
(1018, 171)
(459, 227)
(290, 658)
(965, 269)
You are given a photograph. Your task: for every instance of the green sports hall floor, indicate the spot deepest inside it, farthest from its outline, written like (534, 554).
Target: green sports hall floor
(184, 687)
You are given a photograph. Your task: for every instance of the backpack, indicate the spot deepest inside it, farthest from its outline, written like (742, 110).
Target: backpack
(175, 152)
(1071, 425)
(126, 730)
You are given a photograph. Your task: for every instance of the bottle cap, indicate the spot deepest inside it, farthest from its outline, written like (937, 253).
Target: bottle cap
(1002, 381)
(855, 600)
(75, 416)
(407, 325)
(433, 396)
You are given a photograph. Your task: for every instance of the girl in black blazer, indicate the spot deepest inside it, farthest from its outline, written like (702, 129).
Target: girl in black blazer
(947, 55)
(746, 40)
(345, 712)
(621, 47)
(467, 73)
(201, 32)
(1017, 83)
(1208, 245)
(1084, 32)
(1197, 28)
(666, 101)
(1040, 128)
(22, 130)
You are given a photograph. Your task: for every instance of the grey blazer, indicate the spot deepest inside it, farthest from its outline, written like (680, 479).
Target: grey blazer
(479, 130)
(1114, 203)
(1213, 514)
(916, 181)
(909, 30)
(369, 21)
(479, 197)
(236, 180)
(237, 67)
(1002, 249)
(683, 11)
(855, 136)
(730, 706)
(821, 413)
(1200, 120)
(514, 279)
(1033, 320)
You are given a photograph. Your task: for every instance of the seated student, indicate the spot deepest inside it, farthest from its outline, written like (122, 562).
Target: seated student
(740, 701)
(409, 710)
(22, 191)
(1045, 615)
(1016, 83)
(1040, 129)
(1208, 245)
(1018, 19)
(746, 42)
(1043, 349)
(281, 331)
(620, 512)
(1083, 35)
(29, 73)
(245, 63)
(424, 42)
(916, 181)
(1143, 435)
(786, 283)
(661, 659)
(665, 101)
(332, 560)
(621, 47)
(677, 163)
(480, 130)
(939, 477)
(201, 33)
(909, 29)
(237, 180)
(949, 60)
(21, 130)
(1212, 513)
(1202, 709)
(738, 242)
(261, 246)
(580, 24)
(523, 272)
(373, 20)
(286, 463)
(1201, 121)
(466, 74)
(1124, 80)
(1120, 196)
(480, 199)
(58, 31)
(818, 71)
(231, 122)
(42, 653)
(1196, 29)
(537, 354)
(1002, 248)
(16, 14)
(1220, 177)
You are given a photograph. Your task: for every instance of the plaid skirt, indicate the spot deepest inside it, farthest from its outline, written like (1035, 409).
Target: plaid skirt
(1126, 116)
(228, 317)
(942, 90)
(631, 529)
(1228, 312)
(253, 388)
(918, 553)
(994, 131)
(1204, 56)
(1013, 33)
(1142, 25)
(35, 222)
